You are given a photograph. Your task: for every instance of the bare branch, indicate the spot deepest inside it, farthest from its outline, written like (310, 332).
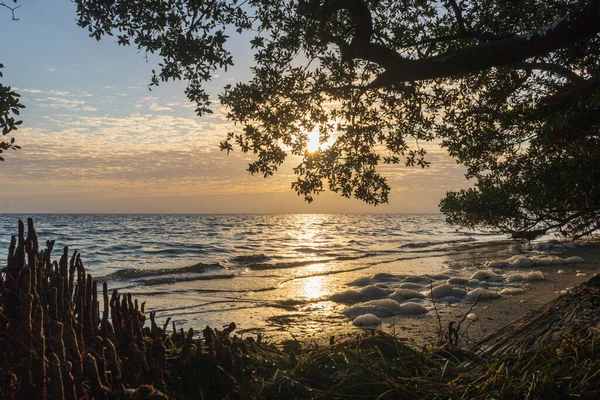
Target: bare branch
(12, 10)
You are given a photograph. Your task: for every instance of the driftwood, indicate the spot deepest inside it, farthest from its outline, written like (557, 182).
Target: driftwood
(573, 313)
(57, 342)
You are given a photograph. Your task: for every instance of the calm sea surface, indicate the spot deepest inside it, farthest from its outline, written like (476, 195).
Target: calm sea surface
(254, 269)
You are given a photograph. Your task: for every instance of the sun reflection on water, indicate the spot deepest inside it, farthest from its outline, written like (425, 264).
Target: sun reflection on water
(316, 286)
(310, 234)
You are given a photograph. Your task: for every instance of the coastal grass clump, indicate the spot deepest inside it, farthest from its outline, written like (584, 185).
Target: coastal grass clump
(61, 337)
(569, 368)
(381, 366)
(365, 366)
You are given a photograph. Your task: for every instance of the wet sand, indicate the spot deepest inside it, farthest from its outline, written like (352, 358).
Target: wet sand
(423, 330)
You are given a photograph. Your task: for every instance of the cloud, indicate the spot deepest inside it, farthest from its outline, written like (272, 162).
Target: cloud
(28, 90)
(60, 103)
(156, 107)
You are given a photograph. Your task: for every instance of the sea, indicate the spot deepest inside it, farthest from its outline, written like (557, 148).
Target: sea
(266, 273)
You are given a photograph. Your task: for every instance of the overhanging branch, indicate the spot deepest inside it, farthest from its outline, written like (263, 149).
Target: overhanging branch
(580, 24)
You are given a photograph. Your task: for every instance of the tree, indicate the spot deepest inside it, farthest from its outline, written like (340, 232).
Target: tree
(510, 87)
(9, 105)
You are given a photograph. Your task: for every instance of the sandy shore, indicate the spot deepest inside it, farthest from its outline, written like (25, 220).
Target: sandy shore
(423, 330)
(497, 313)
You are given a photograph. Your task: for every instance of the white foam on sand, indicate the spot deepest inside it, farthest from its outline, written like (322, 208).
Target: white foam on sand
(373, 292)
(521, 261)
(484, 275)
(410, 285)
(411, 308)
(406, 294)
(366, 320)
(381, 308)
(555, 245)
(482, 294)
(385, 295)
(526, 276)
(384, 308)
(445, 290)
(458, 281)
(370, 292)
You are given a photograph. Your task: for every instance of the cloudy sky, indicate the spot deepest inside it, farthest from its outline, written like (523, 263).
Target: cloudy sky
(96, 140)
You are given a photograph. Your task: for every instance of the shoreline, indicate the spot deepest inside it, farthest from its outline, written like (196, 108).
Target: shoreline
(423, 330)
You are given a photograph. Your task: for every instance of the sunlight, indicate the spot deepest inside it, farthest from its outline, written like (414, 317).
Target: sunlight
(313, 144)
(315, 287)
(313, 141)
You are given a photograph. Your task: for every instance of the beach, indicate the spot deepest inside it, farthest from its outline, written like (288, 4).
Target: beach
(423, 330)
(497, 313)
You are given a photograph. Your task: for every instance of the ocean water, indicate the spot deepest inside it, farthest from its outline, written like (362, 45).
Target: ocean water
(261, 271)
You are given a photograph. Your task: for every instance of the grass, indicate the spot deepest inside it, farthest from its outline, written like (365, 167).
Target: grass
(380, 366)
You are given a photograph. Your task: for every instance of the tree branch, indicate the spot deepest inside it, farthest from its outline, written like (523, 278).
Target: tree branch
(460, 21)
(462, 35)
(12, 10)
(577, 25)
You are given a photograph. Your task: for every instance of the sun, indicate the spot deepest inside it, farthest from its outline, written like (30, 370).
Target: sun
(312, 144)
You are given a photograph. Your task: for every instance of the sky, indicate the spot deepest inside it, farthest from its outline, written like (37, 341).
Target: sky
(96, 140)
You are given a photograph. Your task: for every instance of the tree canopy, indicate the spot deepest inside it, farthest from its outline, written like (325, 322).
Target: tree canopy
(509, 88)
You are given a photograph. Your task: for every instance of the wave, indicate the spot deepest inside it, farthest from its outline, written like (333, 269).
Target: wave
(250, 258)
(303, 263)
(179, 279)
(122, 247)
(419, 245)
(287, 264)
(137, 273)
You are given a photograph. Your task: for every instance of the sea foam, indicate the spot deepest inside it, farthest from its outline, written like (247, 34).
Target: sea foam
(526, 276)
(482, 294)
(446, 290)
(521, 261)
(406, 294)
(381, 308)
(366, 320)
